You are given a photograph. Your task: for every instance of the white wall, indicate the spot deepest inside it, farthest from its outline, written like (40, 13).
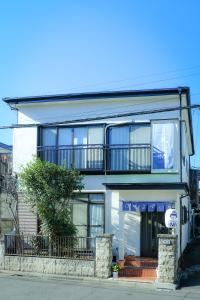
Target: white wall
(126, 225)
(24, 146)
(78, 109)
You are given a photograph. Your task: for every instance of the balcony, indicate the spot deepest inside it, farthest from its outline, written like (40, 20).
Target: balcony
(100, 158)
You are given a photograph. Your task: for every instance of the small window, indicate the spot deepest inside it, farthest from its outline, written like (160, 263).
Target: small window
(165, 146)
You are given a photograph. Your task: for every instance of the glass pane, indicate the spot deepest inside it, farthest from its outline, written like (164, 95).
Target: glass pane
(96, 214)
(96, 197)
(95, 148)
(80, 136)
(65, 153)
(79, 218)
(65, 136)
(139, 152)
(140, 134)
(119, 148)
(80, 152)
(96, 219)
(119, 135)
(49, 137)
(95, 135)
(163, 145)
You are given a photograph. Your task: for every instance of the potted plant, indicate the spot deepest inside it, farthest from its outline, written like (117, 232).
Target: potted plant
(115, 270)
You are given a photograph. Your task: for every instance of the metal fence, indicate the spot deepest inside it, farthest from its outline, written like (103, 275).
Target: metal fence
(42, 246)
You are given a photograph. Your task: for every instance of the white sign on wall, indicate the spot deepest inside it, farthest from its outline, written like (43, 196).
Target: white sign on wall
(171, 218)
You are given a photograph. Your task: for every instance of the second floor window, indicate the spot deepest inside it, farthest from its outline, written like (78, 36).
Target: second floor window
(165, 146)
(129, 147)
(78, 147)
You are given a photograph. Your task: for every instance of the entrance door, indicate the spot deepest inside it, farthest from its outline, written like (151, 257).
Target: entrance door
(152, 224)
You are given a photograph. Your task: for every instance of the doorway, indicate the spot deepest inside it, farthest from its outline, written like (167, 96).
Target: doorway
(152, 224)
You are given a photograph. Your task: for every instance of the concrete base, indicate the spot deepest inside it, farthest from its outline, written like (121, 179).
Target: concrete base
(165, 285)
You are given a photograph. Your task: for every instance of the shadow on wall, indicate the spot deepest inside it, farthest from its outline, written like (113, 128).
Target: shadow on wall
(132, 233)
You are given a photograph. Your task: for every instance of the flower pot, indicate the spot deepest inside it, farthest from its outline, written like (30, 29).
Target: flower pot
(115, 274)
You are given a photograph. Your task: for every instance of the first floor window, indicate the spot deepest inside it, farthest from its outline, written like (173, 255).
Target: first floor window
(88, 214)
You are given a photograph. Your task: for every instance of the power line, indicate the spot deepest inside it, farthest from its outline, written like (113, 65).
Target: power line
(160, 80)
(137, 77)
(143, 112)
(115, 108)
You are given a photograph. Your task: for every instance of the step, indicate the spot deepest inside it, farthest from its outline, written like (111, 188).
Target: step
(145, 264)
(138, 272)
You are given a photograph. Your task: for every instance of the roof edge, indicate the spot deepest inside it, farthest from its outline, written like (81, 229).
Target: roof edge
(93, 95)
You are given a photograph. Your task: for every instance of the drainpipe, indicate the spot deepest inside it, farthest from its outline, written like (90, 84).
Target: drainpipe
(180, 151)
(105, 139)
(181, 197)
(180, 136)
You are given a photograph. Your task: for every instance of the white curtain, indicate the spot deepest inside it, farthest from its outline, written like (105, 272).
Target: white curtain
(163, 145)
(96, 219)
(119, 153)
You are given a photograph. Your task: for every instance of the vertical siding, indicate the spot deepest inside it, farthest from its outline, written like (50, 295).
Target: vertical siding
(27, 219)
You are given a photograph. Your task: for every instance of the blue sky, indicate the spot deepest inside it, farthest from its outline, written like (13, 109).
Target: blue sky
(77, 46)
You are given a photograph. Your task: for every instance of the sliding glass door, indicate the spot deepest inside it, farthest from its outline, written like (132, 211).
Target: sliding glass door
(129, 148)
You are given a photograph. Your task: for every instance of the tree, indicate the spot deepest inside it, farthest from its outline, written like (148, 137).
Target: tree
(49, 188)
(9, 190)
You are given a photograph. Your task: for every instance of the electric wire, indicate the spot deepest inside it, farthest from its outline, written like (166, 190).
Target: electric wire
(136, 113)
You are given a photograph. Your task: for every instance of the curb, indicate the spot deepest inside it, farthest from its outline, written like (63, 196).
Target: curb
(108, 281)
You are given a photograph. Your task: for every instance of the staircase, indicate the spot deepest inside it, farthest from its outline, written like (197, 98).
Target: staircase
(138, 267)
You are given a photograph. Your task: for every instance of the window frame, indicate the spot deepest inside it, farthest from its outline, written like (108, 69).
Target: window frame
(89, 202)
(176, 168)
(73, 146)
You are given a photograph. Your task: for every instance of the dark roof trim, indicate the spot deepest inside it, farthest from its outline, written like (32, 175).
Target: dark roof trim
(5, 146)
(95, 95)
(190, 120)
(147, 186)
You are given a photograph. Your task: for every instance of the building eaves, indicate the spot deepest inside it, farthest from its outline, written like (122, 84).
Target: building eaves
(94, 95)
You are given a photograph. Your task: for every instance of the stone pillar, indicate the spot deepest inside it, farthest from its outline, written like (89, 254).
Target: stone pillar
(103, 255)
(167, 262)
(2, 253)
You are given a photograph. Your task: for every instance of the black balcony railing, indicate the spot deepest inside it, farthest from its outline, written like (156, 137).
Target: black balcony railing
(129, 158)
(81, 157)
(112, 158)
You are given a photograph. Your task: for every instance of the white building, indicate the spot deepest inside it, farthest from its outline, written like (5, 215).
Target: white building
(133, 148)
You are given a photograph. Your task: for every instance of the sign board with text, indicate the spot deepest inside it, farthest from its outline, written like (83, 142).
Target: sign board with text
(171, 218)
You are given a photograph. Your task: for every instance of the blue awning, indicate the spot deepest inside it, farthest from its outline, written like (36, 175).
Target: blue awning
(145, 206)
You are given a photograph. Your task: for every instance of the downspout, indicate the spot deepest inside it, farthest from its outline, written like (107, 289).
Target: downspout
(181, 175)
(105, 140)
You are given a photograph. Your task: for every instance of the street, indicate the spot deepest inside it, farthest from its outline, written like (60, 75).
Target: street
(29, 288)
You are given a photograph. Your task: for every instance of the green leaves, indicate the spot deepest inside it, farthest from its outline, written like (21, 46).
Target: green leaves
(48, 189)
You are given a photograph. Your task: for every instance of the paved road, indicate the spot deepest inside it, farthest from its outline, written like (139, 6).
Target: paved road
(26, 288)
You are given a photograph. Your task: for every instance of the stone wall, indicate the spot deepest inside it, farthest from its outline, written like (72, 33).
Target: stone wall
(55, 266)
(167, 260)
(100, 266)
(103, 255)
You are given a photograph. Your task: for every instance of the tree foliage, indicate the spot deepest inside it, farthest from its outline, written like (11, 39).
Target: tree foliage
(9, 190)
(48, 189)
